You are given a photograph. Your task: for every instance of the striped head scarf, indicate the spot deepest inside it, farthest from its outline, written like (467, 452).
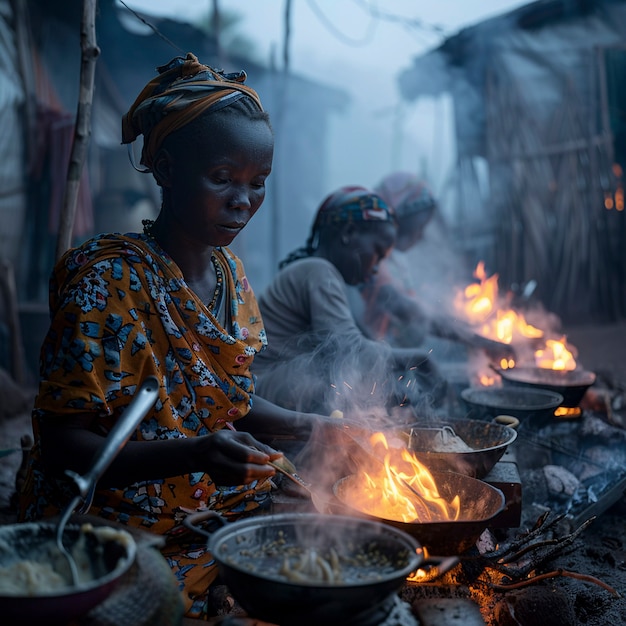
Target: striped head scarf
(353, 204)
(406, 193)
(183, 90)
(346, 205)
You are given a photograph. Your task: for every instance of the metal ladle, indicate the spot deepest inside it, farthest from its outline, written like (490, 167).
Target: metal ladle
(142, 402)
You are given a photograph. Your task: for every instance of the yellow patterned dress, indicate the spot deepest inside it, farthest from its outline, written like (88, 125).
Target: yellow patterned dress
(121, 311)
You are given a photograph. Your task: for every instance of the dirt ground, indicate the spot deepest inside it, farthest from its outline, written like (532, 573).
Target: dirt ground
(598, 553)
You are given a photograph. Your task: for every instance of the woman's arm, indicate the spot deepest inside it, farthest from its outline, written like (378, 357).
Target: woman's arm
(269, 420)
(230, 458)
(461, 332)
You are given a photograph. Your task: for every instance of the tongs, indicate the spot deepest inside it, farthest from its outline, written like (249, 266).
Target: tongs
(142, 402)
(446, 433)
(288, 469)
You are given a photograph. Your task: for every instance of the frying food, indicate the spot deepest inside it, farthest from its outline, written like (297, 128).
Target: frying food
(285, 560)
(447, 440)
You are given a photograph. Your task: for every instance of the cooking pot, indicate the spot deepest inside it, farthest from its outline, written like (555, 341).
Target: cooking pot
(486, 443)
(103, 555)
(571, 384)
(251, 552)
(532, 405)
(480, 502)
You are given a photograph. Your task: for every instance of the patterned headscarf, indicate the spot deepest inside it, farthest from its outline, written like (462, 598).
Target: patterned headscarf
(347, 204)
(353, 204)
(183, 90)
(406, 193)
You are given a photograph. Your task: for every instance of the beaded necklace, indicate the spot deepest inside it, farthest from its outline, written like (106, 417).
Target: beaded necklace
(216, 301)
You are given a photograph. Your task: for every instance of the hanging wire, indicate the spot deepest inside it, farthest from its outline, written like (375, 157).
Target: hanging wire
(366, 39)
(154, 29)
(129, 147)
(409, 23)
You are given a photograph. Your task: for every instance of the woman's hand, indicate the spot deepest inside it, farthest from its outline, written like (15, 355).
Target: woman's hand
(234, 458)
(495, 350)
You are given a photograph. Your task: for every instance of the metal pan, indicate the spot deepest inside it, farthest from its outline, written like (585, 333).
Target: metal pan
(532, 405)
(251, 552)
(480, 502)
(571, 384)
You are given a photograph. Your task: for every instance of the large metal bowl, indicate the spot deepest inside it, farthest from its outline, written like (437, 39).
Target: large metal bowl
(487, 441)
(104, 556)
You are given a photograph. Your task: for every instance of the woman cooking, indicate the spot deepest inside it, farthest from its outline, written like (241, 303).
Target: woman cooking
(318, 359)
(389, 306)
(175, 303)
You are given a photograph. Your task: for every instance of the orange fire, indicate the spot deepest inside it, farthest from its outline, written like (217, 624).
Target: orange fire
(477, 300)
(479, 303)
(488, 314)
(555, 356)
(402, 489)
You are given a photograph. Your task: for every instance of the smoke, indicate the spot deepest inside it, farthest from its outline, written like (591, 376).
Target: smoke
(328, 372)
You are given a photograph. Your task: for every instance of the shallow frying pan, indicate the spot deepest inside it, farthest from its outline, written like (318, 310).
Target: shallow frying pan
(534, 405)
(571, 384)
(480, 502)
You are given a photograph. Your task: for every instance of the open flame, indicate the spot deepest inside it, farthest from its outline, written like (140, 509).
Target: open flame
(491, 317)
(477, 300)
(555, 355)
(481, 306)
(402, 489)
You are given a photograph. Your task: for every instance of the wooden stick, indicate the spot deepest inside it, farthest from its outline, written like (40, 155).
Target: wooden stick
(82, 131)
(8, 291)
(554, 574)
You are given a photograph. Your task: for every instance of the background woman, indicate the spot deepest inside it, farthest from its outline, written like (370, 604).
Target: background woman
(390, 304)
(318, 359)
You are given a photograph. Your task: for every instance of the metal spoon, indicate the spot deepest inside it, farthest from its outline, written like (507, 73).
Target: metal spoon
(142, 402)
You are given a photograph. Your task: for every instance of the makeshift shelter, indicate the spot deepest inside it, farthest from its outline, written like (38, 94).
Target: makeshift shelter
(539, 97)
(40, 57)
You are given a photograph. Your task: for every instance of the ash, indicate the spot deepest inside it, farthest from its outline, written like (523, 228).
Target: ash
(400, 615)
(572, 467)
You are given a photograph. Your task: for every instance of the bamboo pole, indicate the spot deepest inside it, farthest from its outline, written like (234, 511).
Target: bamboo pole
(82, 131)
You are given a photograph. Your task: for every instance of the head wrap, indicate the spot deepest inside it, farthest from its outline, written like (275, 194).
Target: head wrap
(353, 204)
(346, 205)
(183, 90)
(406, 193)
